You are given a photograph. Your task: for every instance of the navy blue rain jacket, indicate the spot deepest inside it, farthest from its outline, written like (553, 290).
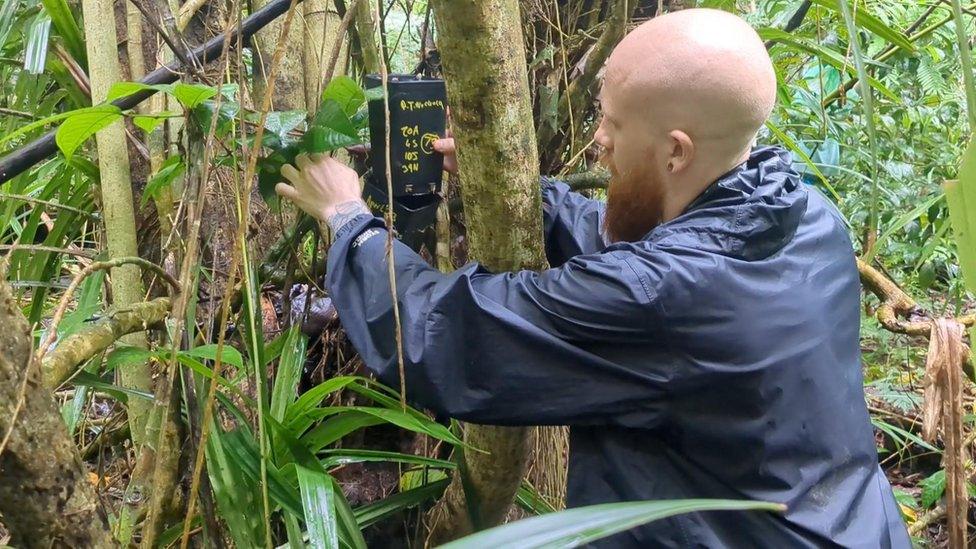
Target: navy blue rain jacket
(717, 357)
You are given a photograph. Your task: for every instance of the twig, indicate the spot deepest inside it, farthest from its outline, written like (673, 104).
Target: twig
(389, 230)
(52, 332)
(20, 114)
(340, 32)
(39, 248)
(33, 200)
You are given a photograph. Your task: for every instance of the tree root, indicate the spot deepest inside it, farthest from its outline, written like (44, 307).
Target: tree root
(898, 312)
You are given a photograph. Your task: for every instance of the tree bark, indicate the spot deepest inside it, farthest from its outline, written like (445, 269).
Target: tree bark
(116, 196)
(45, 496)
(484, 65)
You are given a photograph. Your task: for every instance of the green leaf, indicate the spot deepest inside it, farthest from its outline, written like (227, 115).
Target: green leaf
(125, 89)
(191, 95)
(795, 149)
(81, 125)
(289, 371)
(417, 478)
(575, 527)
(147, 124)
(961, 196)
(865, 20)
(228, 354)
(332, 116)
(346, 93)
(827, 55)
(67, 28)
(345, 456)
(311, 398)
(399, 418)
(89, 302)
(125, 355)
(531, 500)
(318, 502)
(377, 511)
(280, 123)
(336, 427)
(88, 379)
(933, 487)
(172, 168)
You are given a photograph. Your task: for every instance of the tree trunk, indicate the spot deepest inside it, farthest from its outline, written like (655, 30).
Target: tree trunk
(45, 497)
(116, 197)
(484, 65)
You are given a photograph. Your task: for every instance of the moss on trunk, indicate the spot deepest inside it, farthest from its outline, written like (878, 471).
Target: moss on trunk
(45, 497)
(484, 65)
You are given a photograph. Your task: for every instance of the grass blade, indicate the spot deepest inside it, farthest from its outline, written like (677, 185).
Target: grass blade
(575, 527)
(318, 502)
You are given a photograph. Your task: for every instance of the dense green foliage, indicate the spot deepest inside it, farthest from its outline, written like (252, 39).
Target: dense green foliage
(881, 151)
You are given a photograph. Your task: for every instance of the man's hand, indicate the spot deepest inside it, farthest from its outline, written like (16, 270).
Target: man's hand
(445, 146)
(324, 188)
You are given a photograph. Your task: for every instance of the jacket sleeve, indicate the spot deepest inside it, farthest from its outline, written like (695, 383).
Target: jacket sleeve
(504, 349)
(573, 224)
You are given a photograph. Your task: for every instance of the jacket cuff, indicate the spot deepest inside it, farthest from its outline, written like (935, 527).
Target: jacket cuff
(354, 226)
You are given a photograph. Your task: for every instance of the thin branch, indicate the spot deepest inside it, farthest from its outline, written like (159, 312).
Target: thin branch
(340, 32)
(56, 205)
(38, 248)
(61, 363)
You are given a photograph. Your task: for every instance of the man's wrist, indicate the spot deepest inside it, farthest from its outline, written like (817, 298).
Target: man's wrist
(344, 212)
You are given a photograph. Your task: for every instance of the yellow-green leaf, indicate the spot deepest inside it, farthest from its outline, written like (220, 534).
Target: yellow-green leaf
(77, 128)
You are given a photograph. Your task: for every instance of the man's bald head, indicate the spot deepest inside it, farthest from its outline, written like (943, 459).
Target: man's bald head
(683, 97)
(705, 72)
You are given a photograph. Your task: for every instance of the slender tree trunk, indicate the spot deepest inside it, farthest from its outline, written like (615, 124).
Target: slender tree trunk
(116, 196)
(484, 65)
(45, 497)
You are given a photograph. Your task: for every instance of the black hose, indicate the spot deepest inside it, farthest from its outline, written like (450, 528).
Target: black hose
(30, 154)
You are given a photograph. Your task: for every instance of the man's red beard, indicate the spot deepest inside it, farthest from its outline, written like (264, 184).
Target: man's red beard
(634, 203)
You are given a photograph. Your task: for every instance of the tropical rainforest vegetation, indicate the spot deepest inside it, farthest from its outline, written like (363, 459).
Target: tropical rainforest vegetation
(173, 373)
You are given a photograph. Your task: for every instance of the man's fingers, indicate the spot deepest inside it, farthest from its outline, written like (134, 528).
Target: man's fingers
(285, 190)
(302, 161)
(291, 174)
(444, 146)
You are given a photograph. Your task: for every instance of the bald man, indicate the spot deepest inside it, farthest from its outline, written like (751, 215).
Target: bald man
(699, 333)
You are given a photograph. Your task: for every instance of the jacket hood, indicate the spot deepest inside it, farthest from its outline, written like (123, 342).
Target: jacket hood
(749, 213)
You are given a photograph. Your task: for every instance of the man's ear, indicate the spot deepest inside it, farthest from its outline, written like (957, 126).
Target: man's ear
(682, 151)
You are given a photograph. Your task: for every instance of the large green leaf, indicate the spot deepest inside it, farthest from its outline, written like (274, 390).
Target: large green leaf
(318, 502)
(575, 527)
(961, 197)
(81, 125)
(346, 93)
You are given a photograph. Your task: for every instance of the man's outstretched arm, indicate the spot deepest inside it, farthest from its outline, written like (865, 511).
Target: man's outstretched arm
(505, 348)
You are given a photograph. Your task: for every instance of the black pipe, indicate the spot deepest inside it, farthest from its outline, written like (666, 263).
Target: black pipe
(23, 158)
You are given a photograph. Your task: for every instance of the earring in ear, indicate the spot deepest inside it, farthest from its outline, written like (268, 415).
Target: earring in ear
(670, 166)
